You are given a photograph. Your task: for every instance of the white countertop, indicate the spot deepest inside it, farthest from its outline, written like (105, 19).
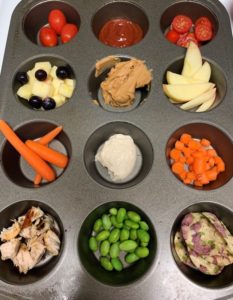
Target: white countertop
(7, 7)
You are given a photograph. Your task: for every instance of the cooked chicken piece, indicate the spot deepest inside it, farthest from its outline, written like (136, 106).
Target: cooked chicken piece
(37, 250)
(29, 232)
(32, 215)
(23, 260)
(10, 232)
(9, 249)
(21, 220)
(45, 224)
(52, 242)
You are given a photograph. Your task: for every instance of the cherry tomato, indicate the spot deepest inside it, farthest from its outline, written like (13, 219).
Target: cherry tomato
(182, 24)
(203, 32)
(205, 21)
(172, 36)
(57, 20)
(68, 32)
(48, 37)
(186, 38)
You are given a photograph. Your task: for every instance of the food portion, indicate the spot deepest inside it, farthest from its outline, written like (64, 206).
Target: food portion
(124, 78)
(204, 243)
(118, 154)
(57, 30)
(120, 33)
(182, 31)
(191, 90)
(195, 161)
(119, 238)
(37, 153)
(29, 239)
(46, 86)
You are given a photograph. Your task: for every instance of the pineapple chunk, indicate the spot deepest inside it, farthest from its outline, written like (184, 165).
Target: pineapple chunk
(65, 90)
(44, 65)
(56, 84)
(31, 76)
(59, 99)
(70, 82)
(25, 91)
(53, 72)
(41, 89)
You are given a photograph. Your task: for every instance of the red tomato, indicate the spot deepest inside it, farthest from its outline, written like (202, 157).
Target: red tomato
(205, 21)
(185, 40)
(172, 36)
(203, 32)
(68, 32)
(48, 37)
(182, 24)
(57, 20)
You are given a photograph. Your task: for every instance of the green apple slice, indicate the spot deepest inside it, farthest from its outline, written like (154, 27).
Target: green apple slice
(183, 93)
(199, 100)
(204, 73)
(192, 61)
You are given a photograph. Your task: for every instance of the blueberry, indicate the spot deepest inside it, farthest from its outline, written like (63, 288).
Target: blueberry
(63, 72)
(48, 103)
(35, 102)
(41, 75)
(22, 77)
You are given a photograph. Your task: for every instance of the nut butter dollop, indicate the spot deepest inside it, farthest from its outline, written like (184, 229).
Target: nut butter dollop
(119, 88)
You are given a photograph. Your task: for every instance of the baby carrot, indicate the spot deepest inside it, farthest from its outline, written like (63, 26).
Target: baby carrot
(34, 160)
(37, 179)
(47, 138)
(58, 159)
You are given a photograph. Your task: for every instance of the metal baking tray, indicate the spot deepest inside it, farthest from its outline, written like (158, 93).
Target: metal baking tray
(154, 125)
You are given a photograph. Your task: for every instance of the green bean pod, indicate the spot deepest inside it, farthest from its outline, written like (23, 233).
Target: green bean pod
(124, 235)
(115, 223)
(144, 225)
(113, 211)
(133, 234)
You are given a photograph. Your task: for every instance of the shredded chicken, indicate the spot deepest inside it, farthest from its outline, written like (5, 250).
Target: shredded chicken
(9, 249)
(23, 259)
(11, 232)
(52, 242)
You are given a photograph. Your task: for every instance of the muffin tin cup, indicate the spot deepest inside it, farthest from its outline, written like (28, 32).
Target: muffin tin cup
(154, 124)
(128, 275)
(9, 273)
(225, 278)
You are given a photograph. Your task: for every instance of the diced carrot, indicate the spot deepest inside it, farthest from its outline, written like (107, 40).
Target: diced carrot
(194, 145)
(183, 175)
(203, 178)
(198, 183)
(211, 152)
(187, 180)
(205, 142)
(221, 167)
(175, 154)
(212, 174)
(185, 138)
(211, 162)
(191, 175)
(187, 152)
(197, 154)
(190, 160)
(182, 159)
(199, 165)
(178, 167)
(179, 145)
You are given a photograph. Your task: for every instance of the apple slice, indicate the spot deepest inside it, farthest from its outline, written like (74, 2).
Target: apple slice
(199, 100)
(186, 92)
(173, 78)
(192, 60)
(206, 105)
(204, 73)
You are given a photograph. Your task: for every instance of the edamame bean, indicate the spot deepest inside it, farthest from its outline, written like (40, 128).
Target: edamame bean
(133, 234)
(117, 264)
(143, 235)
(114, 250)
(114, 235)
(131, 258)
(103, 235)
(133, 216)
(144, 244)
(106, 264)
(97, 225)
(128, 245)
(104, 248)
(142, 252)
(106, 222)
(93, 245)
(131, 224)
(121, 215)
(115, 223)
(124, 235)
(113, 211)
(144, 225)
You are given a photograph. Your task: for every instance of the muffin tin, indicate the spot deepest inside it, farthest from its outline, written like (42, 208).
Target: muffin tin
(154, 124)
